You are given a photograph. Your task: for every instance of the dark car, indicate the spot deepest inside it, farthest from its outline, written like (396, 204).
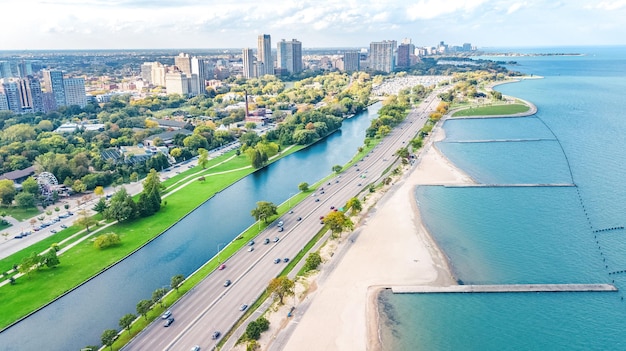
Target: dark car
(317, 200)
(251, 242)
(243, 307)
(266, 241)
(227, 282)
(168, 322)
(276, 239)
(280, 229)
(299, 219)
(286, 259)
(277, 260)
(215, 335)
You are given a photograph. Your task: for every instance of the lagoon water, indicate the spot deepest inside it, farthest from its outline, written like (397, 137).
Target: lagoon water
(547, 234)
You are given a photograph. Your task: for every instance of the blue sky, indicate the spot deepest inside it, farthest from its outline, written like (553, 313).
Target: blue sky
(130, 24)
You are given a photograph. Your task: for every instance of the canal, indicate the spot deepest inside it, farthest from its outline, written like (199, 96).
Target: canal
(79, 318)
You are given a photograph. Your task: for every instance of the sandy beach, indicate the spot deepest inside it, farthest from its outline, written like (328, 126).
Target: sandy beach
(392, 248)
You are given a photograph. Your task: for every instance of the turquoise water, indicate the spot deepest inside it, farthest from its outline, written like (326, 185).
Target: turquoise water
(547, 234)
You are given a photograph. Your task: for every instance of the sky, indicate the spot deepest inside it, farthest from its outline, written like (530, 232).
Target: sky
(173, 24)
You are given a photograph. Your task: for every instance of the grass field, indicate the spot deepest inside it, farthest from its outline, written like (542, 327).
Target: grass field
(19, 213)
(493, 110)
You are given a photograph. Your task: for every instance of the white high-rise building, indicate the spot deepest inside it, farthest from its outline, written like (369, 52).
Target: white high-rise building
(31, 96)
(158, 74)
(177, 83)
(249, 70)
(197, 69)
(75, 91)
(382, 56)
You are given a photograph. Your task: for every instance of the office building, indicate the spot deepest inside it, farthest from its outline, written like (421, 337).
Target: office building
(146, 72)
(197, 69)
(75, 91)
(24, 69)
(53, 83)
(351, 61)
(289, 56)
(249, 67)
(265, 62)
(158, 74)
(5, 69)
(4, 103)
(382, 56)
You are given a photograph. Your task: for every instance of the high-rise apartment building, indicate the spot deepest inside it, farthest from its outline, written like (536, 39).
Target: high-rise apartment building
(197, 69)
(265, 62)
(146, 72)
(75, 91)
(177, 83)
(5, 69)
(382, 56)
(249, 67)
(4, 103)
(183, 62)
(158, 74)
(24, 69)
(10, 91)
(31, 96)
(289, 56)
(405, 51)
(53, 83)
(351, 61)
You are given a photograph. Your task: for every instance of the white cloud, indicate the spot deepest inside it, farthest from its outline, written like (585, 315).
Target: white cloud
(610, 5)
(516, 6)
(429, 9)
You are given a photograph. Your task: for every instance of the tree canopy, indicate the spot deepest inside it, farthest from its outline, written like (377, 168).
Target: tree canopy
(265, 210)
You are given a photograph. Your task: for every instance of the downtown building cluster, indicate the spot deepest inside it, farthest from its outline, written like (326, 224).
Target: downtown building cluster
(46, 90)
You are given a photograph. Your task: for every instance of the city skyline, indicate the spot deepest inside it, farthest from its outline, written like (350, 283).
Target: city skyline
(140, 24)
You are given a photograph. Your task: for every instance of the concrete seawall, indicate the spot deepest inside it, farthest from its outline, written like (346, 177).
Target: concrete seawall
(507, 288)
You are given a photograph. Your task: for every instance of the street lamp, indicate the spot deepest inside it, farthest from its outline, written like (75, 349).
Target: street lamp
(218, 252)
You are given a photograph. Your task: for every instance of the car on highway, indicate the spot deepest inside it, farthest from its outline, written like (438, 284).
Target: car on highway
(280, 229)
(227, 282)
(19, 236)
(321, 218)
(215, 335)
(280, 223)
(53, 231)
(266, 241)
(168, 322)
(286, 259)
(317, 200)
(290, 211)
(243, 307)
(276, 239)
(332, 207)
(222, 267)
(277, 260)
(195, 348)
(251, 248)
(299, 219)
(166, 314)
(251, 242)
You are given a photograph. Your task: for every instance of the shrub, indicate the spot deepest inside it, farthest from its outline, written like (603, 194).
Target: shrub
(106, 240)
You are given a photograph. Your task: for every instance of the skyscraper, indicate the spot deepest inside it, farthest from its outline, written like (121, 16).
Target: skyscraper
(146, 72)
(158, 74)
(75, 92)
(381, 56)
(176, 83)
(249, 70)
(265, 63)
(289, 56)
(351, 61)
(53, 83)
(31, 96)
(9, 89)
(197, 68)
(5, 69)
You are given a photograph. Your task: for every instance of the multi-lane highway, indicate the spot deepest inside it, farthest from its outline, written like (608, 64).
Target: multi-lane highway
(211, 306)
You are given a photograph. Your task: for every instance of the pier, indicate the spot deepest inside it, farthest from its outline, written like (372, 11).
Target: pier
(509, 185)
(505, 288)
(496, 140)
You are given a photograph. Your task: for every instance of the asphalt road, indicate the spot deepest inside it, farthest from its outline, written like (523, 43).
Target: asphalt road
(211, 306)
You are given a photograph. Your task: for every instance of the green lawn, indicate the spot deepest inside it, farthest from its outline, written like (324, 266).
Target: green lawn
(493, 110)
(20, 213)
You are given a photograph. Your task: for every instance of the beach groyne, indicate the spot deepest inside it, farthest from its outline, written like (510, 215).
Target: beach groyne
(503, 288)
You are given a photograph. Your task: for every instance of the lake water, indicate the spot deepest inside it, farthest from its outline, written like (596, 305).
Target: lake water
(547, 234)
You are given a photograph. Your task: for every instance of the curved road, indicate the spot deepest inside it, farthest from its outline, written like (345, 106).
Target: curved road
(211, 306)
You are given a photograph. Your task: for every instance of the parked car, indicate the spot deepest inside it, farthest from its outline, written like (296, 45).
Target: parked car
(63, 226)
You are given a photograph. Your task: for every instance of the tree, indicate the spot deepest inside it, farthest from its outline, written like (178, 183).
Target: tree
(29, 262)
(281, 286)
(106, 240)
(265, 210)
(337, 168)
(101, 205)
(121, 207)
(176, 281)
(108, 337)
(85, 220)
(7, 191)
(99, 190)
(355, 204)
(158, 294)
(50, 259)
(203, 157)
(150, 198)
(304, 186)
(25, 200)
(143, 307)
(312, 261)
(337, 222)
(127, 321)
(30, 186)
(256, 327)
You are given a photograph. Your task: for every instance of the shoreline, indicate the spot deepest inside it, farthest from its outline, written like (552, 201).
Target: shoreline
(393, 248)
